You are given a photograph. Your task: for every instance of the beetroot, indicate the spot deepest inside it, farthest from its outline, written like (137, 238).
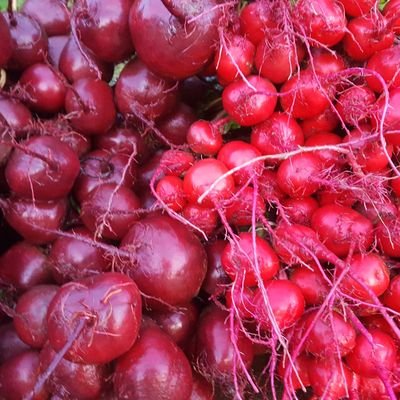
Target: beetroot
(6, 45)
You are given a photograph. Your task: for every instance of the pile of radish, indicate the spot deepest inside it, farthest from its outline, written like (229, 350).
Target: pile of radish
(200, 199)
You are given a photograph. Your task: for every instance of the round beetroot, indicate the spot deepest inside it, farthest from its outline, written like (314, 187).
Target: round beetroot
(6, 47)
(10, 343)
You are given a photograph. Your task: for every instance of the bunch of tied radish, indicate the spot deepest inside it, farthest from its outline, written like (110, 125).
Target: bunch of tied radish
(200, 200)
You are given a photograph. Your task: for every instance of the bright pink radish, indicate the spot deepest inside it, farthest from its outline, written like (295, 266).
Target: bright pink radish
(391, 298)
(170, 190)
(329, 158)
(300, 210)
(326, 121)
(204, 137)
(298, 376)
(356, 8)
(204, 218)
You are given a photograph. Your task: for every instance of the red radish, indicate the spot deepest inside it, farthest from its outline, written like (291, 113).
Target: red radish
(206, 219)
(91, 102)
(35, 221)
(322, 22)
(10, 343)
(326, 63)
(269, 187)
(24, 266)
(204, 137)
(366, 35)
(372, 355)
(303, 96)
(175, 54)
(141, 372)
(78, 62)
(329, 158)
(239, 260)
(201, 176)
(176, 162)
(391, 298)
(18, 376)
(236, 153)
(73, 259)
(278, 57)
(109, 211)
(286, 301)
(104, 30)
(234, 59)
(110, 308)
(278, 134)
(298, 376)
(372, 388)
(298, 175)
(85, 381)
(170, 190)
(311, 283)
(250, 102)
(343, 197)
(30, 314)
(326, 121)
(357, 8)
(215, 349)
(241, 299)
(391, 12)
(56, 19)
(6, 48)
(387, 236)
(202, 390)
(300, 210)
(171, 274)
(33, 173)
(341, 228)
(140, 92)
(44, 88)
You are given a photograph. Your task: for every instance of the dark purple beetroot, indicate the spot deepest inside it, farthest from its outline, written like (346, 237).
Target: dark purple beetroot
(78, 62)
(10, 342)
(102, 166)
(6, 46)
(168, 261)
(176, 125)
(56, 46)
(44, 88)
(202, 390)
(24, 266)
(17, 115)
(34, 220)
(72, 259)
(53, 15)
(179, 323)
(30, 314)
(92, 102)
(104, 28)
(110, 308)
(48, 173)
(6, 139)
(175, 47)
(30, 41)
(140, 92)
(154, 368)
(71, 380)
(18, 376)
(109, 211)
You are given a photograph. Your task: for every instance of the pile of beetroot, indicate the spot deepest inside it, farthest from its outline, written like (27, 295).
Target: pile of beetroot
(200, 200)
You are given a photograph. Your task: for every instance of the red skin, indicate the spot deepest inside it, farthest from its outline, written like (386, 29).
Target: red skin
(312, 284)
(326, 63)
(302, 96)
(75, 65)
(201, 176)
(295, 175)
(300, 370)
(369, 360)
(239, 261)
(109, 211)
(392, 296)
(93, 99)
(327, 121)
(339, 228)
(176, 162)
(241, 50)
(139, 91)
(204, 138)
(336, 196)
(170, 190)
(329, 158)
(16, 114)
(367, 35)
(31, 310)
(10, 343)
(175, 54)
(30, 41)
(202, 390)
(278, 57)
(105, 31)
(170, 274)
(18, 376)
(33, 178)
(141, 373)
(356, 8)
(300, 210)
(32, 219)
(385, 63)
(235, 153)
(6, 47)
(83, 381)
(214, 346)
(112, 305)
(55, 20)
(391, 12)
(241, 300)
(387, 236)
(269, 187)
(278, 134)
(247, 107)
(204, 218)
(24, 266)
(72, 259)
(322, 21)
(286, 301)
